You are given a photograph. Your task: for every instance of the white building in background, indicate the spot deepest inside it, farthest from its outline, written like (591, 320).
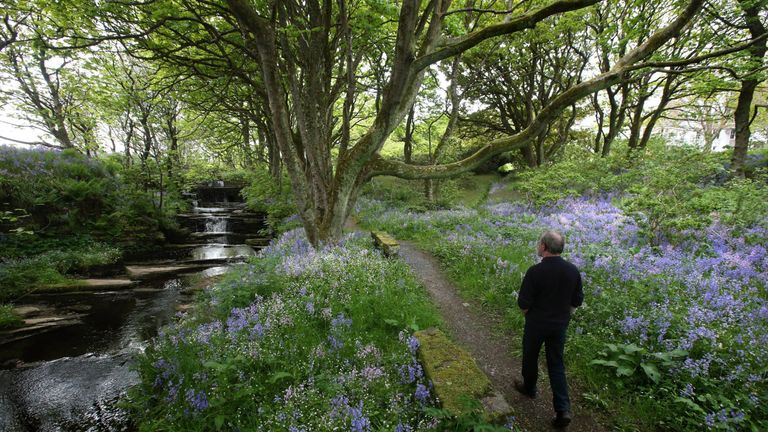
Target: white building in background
(687, 133)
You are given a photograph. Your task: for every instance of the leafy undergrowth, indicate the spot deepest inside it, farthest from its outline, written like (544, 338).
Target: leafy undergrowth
(23, 272)
(674, 331)
(63, 213)
(295, 340)
(8, 318)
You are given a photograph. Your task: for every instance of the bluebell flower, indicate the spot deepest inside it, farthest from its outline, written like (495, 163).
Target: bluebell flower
(197, 400)
(422, 393)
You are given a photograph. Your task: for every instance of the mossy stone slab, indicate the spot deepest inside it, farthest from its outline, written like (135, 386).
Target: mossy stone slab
(453, 371)
(386, 243)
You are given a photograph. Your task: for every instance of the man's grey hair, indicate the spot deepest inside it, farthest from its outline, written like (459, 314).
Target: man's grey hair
(553, 241)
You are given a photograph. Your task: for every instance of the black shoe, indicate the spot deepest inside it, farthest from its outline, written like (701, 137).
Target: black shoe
(562, 419)
(520, 387)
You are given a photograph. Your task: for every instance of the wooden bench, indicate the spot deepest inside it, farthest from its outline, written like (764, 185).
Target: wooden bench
(456, 377)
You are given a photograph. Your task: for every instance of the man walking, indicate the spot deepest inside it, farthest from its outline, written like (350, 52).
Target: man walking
(550, 292)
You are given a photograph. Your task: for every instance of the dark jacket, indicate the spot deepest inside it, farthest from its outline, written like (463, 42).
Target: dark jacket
(549, 290)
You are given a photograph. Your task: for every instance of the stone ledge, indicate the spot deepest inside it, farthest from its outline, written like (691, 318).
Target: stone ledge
(385, 243)
(154, 271)
(35, 326)
(456, 377)
(87, 285)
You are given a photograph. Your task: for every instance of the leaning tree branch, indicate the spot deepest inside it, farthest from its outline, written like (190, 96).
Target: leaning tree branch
(727, 70)
(484, 10)
(31, 143)
(754, 114)
(379, 166)
(701, 58)
(452, 47)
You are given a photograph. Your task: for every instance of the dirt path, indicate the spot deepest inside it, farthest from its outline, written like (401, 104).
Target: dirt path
(495, 353)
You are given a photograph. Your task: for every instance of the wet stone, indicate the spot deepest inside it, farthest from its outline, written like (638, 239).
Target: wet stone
(88, 285)
(146, 290)
(184, 307)
(49, 320)
(147, 272)
(27, 310)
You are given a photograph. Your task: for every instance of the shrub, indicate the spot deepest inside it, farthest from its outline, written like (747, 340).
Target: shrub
(65, 193)
(264, 193)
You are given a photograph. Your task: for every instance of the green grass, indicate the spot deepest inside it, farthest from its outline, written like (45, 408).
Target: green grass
(8, 318)
(466, 191)
(473, 190)
(507, 192)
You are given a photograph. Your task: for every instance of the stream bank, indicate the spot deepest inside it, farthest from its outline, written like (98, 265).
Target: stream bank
(71, 362)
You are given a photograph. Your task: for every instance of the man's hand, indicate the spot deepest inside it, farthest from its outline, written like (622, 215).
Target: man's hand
(573, 310)
(525, 311)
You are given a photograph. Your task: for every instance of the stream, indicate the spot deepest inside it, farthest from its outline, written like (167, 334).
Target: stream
(68, 377)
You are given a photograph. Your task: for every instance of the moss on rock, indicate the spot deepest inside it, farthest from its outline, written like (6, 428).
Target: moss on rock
(453, 371)
(385, 242)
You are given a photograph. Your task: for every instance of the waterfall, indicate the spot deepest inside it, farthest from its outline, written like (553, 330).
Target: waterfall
(216, 225)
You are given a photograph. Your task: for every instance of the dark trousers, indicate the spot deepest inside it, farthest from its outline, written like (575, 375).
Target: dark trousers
(553, 339)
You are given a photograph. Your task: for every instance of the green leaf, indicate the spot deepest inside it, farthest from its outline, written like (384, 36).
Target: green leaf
(609, 363)
(277, 376)
(219, 421)
(625, 370)
(392, 322)
(651, 371)
(690, 404)
(678, 353)
(215, 365)
(627, 358)
(632, 348)
(438, 413)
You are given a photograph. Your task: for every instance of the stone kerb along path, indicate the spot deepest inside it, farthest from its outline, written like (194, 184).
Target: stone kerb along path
(495, 353)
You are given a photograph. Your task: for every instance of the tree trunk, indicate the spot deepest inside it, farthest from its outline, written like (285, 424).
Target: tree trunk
(616, 118)
(636, 118)
(751, 13)
(666, 96)
(172, 158)
(408, 139)
(709, 140)
(741, 120)
(597, 146)
(429, 190)
(245, 135)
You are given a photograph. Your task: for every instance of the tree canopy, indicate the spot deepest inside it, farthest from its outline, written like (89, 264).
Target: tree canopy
(316, 88)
